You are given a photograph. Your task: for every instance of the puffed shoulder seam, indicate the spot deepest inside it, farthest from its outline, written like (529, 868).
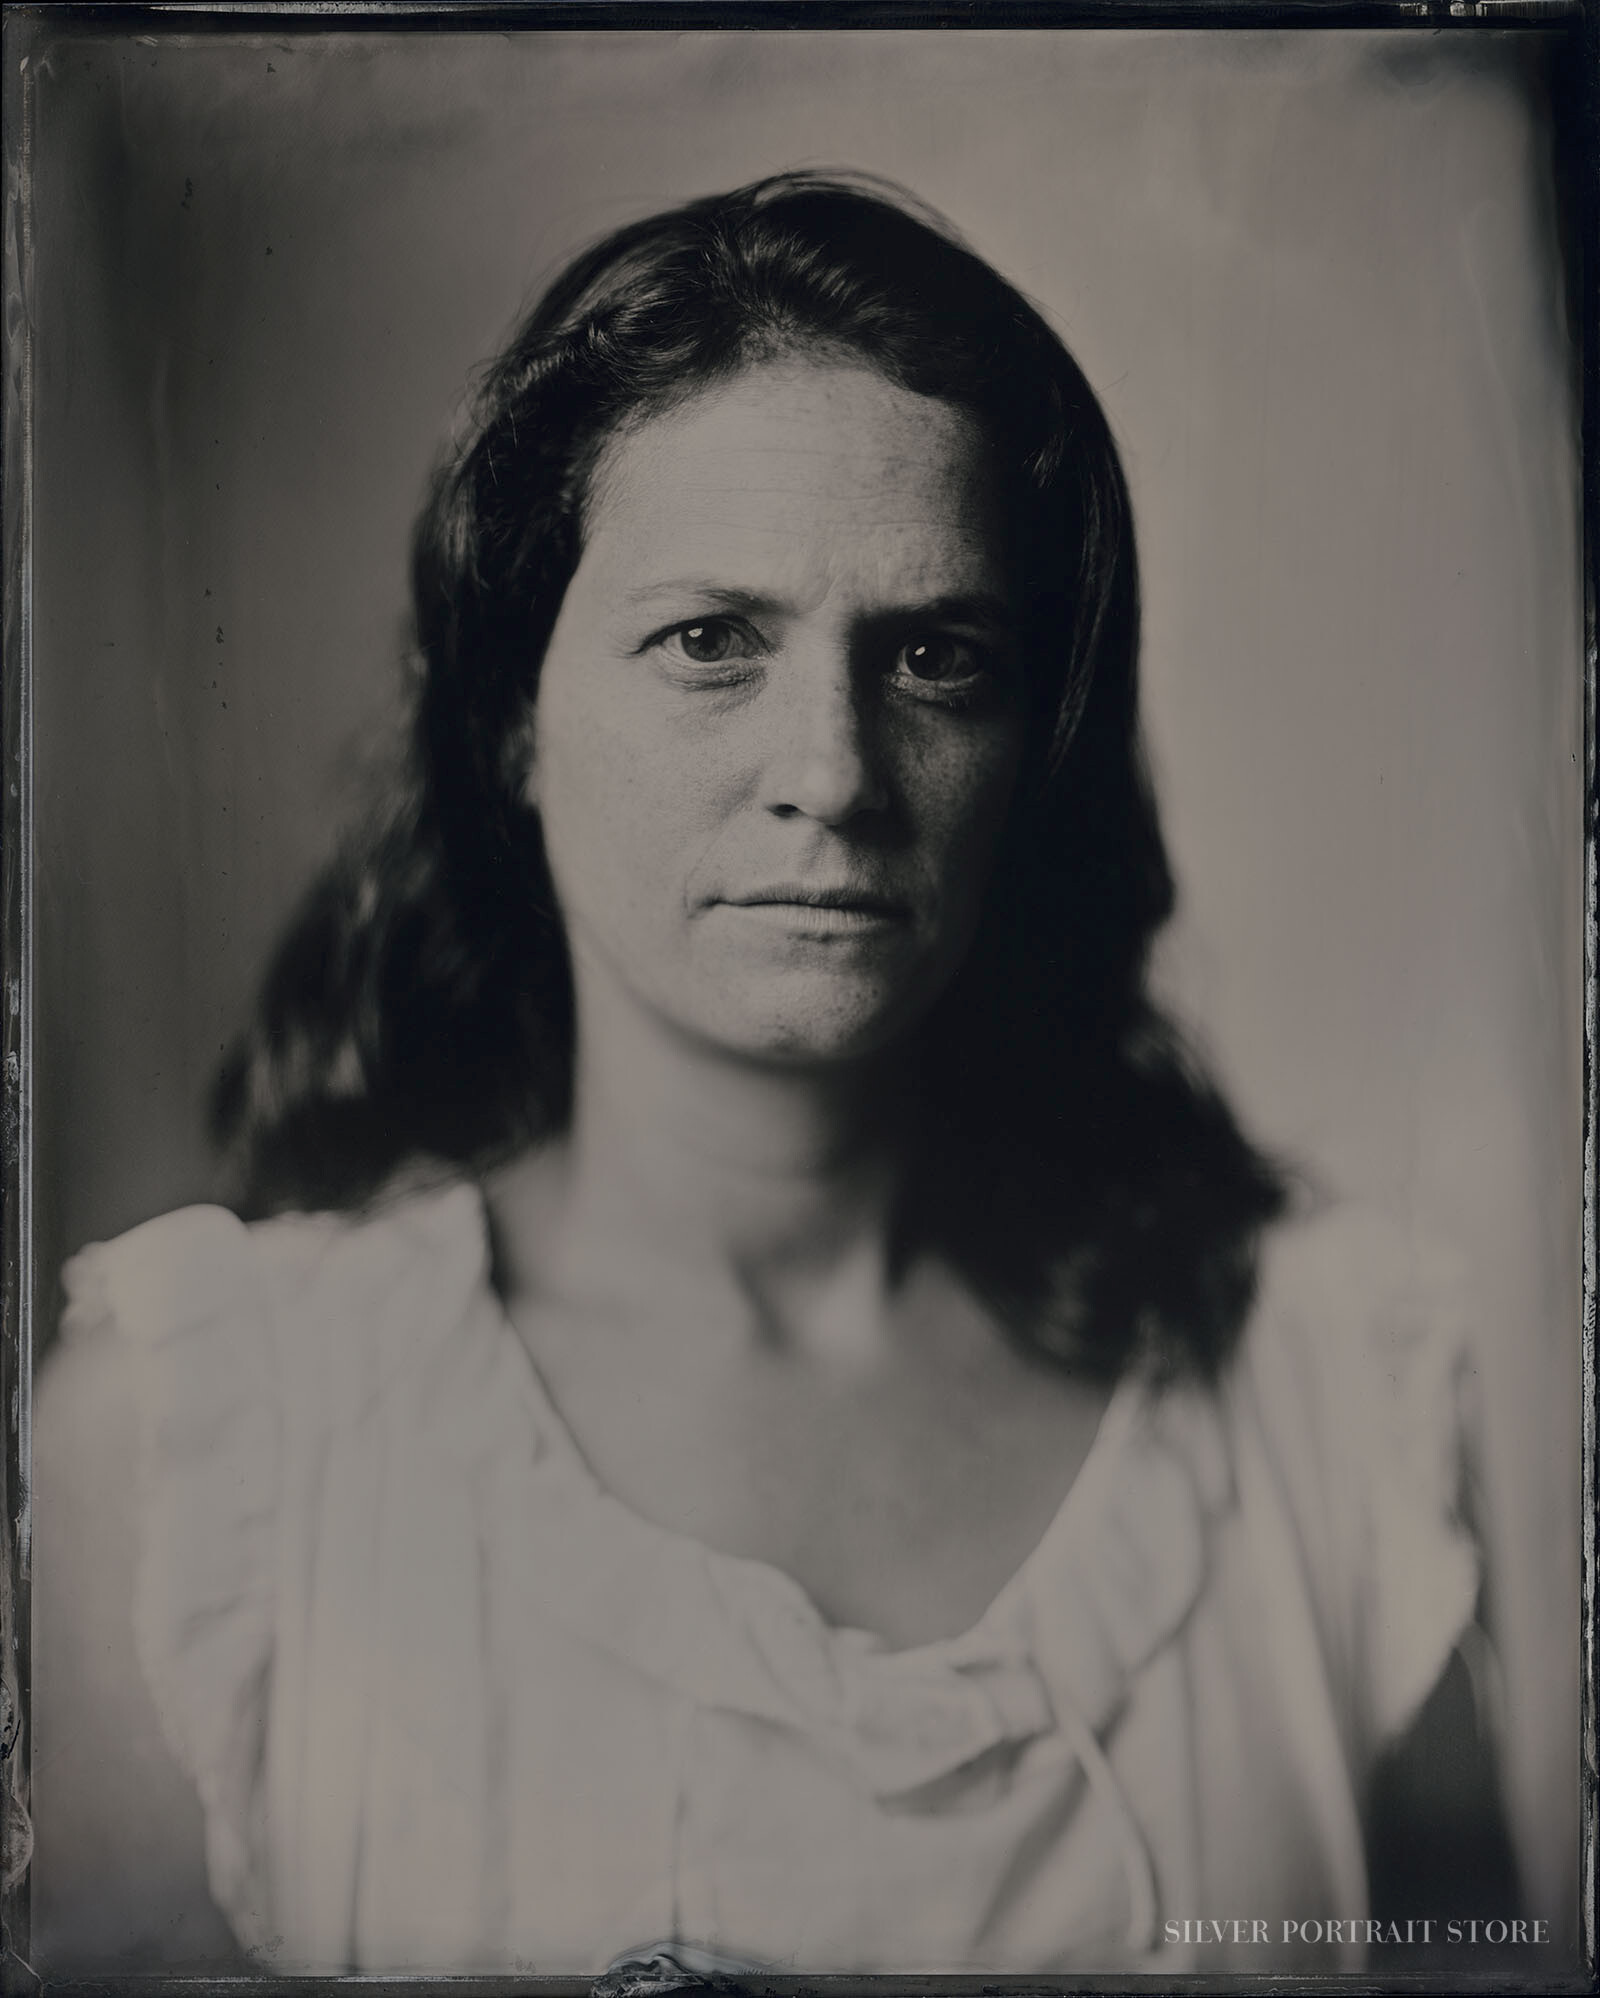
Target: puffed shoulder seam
(1364, 1329)
(190, 1290)
(158, 1279)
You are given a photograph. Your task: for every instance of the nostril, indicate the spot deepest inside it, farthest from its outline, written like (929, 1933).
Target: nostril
(830, 791)
(825, 761)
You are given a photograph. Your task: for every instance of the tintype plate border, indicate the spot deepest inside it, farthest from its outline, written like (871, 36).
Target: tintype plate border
(1574, 24)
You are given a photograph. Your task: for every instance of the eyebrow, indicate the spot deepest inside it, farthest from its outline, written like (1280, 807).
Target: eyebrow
(981, 608)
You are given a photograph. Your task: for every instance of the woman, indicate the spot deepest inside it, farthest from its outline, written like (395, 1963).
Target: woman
(745, 1427)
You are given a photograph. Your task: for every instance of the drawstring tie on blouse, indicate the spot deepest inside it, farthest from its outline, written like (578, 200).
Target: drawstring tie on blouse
(1137, 1868)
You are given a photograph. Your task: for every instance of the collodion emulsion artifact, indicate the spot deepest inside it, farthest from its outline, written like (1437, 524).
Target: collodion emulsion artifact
(758, 1410)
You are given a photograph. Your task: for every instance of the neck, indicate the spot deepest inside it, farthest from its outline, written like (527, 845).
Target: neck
(761, 1193)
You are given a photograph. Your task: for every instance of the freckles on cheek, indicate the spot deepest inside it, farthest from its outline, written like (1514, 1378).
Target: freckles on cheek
(963, 786)
(633, 800)
(705, 785)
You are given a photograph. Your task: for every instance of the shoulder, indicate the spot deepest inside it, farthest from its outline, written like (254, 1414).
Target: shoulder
(119, 1867)
(244, 1306)
(1359, 1358)
(241, 1343)
(167, 1271)
(203, 1362)
(1388, 1289)
(1358, 1369)
(1360, 1345)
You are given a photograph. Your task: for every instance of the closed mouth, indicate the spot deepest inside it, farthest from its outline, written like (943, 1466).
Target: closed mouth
(821, 911)
(793, 895)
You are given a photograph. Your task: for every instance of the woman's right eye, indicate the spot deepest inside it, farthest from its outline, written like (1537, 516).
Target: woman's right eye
(711, 641)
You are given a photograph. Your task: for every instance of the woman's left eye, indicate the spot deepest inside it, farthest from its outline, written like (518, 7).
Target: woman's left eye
(936, 659)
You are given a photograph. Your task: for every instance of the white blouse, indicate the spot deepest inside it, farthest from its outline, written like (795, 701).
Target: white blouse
(450, 1705)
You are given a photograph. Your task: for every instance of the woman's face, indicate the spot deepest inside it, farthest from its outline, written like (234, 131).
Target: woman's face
(780, 717)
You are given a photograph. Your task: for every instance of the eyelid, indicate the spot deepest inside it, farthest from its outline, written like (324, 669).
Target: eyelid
(758, 644)
(985, 673)
(985, 655)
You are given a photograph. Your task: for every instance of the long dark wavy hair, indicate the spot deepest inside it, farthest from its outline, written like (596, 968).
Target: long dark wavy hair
(1076, 1165)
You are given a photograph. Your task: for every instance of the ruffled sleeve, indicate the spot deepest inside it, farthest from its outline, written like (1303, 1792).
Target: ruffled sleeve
(1360, 1363)
(192, 1292)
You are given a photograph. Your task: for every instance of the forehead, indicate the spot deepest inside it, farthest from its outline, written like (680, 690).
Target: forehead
(806, 473)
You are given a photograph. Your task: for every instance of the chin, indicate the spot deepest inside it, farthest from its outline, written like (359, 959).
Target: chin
(837, 1023)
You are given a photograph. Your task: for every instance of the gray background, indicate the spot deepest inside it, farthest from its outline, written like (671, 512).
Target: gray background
(1313, 278)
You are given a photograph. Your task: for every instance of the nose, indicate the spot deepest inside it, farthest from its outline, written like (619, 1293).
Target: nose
(824, 761)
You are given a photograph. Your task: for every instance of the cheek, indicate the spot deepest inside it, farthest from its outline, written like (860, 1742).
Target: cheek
(959, 788)
(622, 797)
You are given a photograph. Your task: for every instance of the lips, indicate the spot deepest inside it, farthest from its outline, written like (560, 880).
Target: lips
(796, 894)
(819, 910)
